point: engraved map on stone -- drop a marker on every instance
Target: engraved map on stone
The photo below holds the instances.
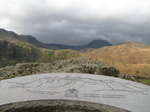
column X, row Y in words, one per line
column 99, row 89
column 57, row 82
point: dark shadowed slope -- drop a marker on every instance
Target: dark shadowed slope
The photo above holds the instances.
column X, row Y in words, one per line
column 9, row 35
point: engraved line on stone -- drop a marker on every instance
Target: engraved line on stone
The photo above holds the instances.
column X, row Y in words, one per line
column 72, row 80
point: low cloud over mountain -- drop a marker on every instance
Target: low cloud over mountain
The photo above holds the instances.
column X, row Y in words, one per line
column 76, row 22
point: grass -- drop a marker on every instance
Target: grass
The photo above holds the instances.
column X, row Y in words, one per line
column 145, row 81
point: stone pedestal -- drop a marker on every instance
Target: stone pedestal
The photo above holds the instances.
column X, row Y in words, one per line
column 68, row 92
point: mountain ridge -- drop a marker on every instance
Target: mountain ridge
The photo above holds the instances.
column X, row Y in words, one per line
column 93, row 44
column 10, row 35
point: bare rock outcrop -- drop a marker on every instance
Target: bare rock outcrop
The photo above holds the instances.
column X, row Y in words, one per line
column 74, row 65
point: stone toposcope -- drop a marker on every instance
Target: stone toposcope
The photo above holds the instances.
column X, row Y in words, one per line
column 58, row 92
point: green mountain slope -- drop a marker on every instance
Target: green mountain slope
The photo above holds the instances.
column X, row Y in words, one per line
column 12, row 52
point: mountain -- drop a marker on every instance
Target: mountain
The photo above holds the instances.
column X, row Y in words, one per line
column 9, row 35
column 94, row 44
column 12, row 52
column 131, row 58
column 12, row 36
column 32, row 40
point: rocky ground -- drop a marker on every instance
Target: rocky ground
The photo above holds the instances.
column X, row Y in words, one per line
column 74, row 65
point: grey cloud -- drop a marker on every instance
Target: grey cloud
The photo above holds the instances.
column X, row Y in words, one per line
column 75, row 24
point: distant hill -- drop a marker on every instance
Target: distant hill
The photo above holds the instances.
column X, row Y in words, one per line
column 61, row 46
column 94, row 44
column 134, row 44
column 131, row 58
column 11, row 36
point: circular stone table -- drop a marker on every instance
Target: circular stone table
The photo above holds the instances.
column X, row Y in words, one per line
column 73, row 92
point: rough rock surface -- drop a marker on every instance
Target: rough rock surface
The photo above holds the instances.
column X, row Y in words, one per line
column 74, row 65
column 59, row 106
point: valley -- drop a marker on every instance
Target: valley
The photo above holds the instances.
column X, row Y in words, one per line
column 132, row 59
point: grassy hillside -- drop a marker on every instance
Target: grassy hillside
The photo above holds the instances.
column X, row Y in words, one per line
column 55, row 55
column 12, row 52
column 130, row 57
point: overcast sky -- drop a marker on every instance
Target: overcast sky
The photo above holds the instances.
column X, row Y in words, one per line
column 77, row 22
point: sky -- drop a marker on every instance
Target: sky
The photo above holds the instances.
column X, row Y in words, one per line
column 77, row 22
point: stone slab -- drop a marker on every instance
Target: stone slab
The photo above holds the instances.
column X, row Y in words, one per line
column 96, row 89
